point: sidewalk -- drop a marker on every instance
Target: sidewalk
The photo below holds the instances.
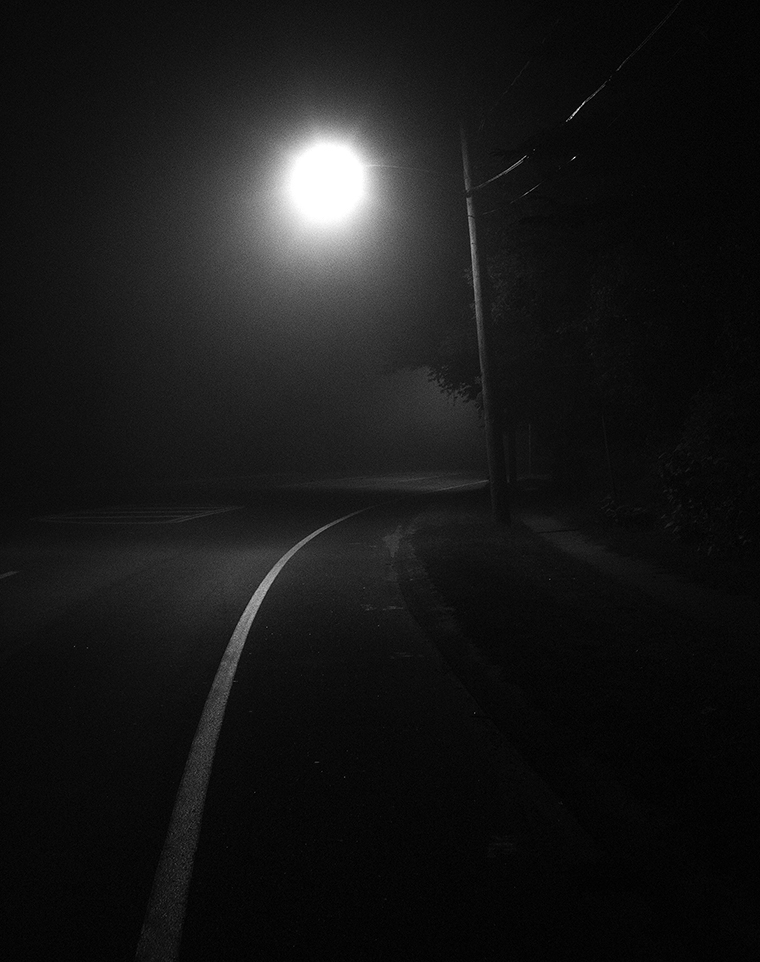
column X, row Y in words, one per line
column 630, row 690
column 734, row 612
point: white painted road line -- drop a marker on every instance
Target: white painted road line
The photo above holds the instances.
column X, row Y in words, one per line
column 8, row 574
column 165, row 915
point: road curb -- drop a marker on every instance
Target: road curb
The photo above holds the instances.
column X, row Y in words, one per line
column 690, row 893
column 554, row 830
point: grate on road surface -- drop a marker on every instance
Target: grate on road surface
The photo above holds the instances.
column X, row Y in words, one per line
column 158, row 514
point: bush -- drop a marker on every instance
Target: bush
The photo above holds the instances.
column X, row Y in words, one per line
column 711, row 480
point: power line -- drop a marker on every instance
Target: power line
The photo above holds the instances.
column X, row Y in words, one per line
column 502, row 95
column 561, row 167
column 649, row 37
column 583, row 103
column 519, row 74
column 630, row 55
column 502, row 174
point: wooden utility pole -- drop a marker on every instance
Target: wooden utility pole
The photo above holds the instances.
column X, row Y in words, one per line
column 497, row 470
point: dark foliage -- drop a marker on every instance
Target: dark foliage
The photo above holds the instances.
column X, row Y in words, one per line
column 624, row 287
column 711, row 480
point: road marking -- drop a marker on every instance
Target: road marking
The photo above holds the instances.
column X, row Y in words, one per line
column 159, row 514
column 165, row 915
column 8, row 574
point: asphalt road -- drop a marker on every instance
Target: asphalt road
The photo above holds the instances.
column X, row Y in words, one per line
column 351, row 810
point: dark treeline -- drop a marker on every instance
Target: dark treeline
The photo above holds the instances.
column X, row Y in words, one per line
column 624, row 289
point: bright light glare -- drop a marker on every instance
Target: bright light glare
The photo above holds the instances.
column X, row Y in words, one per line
column 327, row 182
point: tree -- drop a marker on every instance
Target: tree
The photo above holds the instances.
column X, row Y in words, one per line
column 619, row 285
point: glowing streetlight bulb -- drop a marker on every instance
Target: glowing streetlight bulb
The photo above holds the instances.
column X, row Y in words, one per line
column 327, row 182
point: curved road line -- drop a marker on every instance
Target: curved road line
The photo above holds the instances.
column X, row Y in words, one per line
column 165, row 915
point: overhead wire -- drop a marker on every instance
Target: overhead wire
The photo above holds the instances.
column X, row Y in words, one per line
column 559, row 169
column 577, row 110
column 630, row 55
column 520, row 72
column 504, row 93
column 651, row 34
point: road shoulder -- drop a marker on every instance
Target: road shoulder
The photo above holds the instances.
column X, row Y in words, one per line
column 638, row 716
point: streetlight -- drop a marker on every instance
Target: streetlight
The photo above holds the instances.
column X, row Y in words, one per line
column 326, row 184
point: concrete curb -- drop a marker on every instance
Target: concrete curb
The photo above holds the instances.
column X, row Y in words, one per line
column 565, row 844
column 555, row 831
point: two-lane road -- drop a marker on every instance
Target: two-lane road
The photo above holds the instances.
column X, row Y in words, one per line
column 346, row 810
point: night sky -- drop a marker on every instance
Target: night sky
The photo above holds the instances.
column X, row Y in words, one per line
column 167, row 313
